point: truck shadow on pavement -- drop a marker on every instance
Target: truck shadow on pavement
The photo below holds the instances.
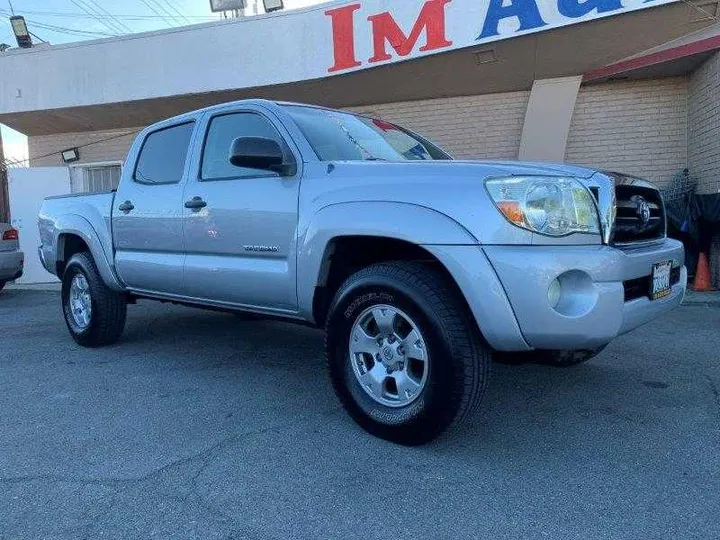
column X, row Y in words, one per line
column 525, row 405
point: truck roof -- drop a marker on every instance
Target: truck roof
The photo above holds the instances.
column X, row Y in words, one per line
column 252, row 101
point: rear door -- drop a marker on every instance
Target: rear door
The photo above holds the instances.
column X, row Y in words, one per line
column 148, row 212
column 241, row 243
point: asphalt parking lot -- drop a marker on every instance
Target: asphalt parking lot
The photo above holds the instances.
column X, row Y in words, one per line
column 200, row 425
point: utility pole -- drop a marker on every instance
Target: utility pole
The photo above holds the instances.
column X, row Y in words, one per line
column 4, row 196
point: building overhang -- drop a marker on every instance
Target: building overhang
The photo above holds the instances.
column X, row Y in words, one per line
column 677, row 57
column 84, row 87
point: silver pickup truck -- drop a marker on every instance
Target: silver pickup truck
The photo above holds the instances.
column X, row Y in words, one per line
column 418, row 266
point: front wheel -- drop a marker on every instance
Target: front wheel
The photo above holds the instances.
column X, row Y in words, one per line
column 94, row 313
column 404, row 355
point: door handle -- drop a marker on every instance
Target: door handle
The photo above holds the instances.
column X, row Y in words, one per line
column 196, row 203
column 126, row 207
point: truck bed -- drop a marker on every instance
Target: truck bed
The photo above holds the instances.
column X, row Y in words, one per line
column 57, row 212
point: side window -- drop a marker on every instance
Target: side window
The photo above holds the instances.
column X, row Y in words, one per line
column 222, row 132
column 163, row 154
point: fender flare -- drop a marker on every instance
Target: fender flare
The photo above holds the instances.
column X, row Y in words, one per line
column 75, row 225
column 412, row 223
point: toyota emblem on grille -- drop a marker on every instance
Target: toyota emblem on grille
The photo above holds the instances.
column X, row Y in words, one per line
column 642, row 207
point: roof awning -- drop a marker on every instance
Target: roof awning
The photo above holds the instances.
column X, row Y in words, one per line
column 676, row 57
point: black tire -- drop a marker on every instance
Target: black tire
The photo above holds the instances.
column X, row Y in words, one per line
column 459, row 359
column 109, row 309
column 560, row 359
column 2, row 285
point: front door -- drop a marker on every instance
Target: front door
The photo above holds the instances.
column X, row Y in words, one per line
column 148, row 213
column 241, row 227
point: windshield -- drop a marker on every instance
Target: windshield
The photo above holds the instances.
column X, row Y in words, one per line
column 339, row 136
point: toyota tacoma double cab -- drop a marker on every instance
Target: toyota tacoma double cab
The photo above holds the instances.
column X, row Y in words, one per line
column 419, row 267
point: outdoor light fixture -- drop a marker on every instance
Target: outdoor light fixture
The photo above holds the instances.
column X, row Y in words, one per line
column 226, row 5
column 273, row 5
column 70, row 155
column 21, row 32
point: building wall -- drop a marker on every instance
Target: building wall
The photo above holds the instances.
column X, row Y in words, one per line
column 95, row 147
column 704, row 125
column 635, row 127
column 480, row 127
column 704, row 139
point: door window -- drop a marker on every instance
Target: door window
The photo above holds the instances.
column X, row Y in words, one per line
column 163, row 154
column 222, row 132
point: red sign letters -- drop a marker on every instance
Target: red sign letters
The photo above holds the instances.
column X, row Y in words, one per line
column 385, row 30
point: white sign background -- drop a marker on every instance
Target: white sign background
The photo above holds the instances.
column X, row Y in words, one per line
column 283, row 47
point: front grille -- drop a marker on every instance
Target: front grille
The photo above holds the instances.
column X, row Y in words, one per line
column 640, row 287
column 640, row 214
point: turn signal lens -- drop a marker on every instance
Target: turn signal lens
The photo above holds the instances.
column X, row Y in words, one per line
column 10, row 234
column 512, row 211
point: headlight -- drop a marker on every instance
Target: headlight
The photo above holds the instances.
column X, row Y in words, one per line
column 554, row 206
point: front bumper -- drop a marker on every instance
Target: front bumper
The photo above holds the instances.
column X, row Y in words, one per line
column 11, row 265
column 595, row 309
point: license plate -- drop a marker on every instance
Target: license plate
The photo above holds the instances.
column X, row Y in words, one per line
column 661, row 287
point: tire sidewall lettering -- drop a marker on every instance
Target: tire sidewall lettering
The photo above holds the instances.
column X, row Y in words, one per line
column 350, row 308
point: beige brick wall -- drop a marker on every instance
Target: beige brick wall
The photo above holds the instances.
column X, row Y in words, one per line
column 101, row 146
column 636, row 127
column 704, row 125
column 481, row 127
column 704, row 139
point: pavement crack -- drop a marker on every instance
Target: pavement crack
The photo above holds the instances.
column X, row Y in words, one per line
column 204, row 456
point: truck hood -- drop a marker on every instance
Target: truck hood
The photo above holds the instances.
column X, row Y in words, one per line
column 474, row 168
column 453, row 188
column 518, row 168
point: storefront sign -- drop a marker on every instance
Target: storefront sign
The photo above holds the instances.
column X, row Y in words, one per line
column 381, row 31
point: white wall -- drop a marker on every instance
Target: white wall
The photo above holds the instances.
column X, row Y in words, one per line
column 28, row 188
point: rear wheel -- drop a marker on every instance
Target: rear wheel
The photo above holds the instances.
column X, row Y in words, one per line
column 94, row 313
column 404, row 355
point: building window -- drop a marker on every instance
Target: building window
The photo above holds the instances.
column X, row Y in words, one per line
column 95, row 178
column 102, row 178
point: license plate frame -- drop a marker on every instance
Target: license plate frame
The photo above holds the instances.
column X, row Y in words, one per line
column 660, row 285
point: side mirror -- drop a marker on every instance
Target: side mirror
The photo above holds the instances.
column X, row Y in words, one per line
column 259, row 153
